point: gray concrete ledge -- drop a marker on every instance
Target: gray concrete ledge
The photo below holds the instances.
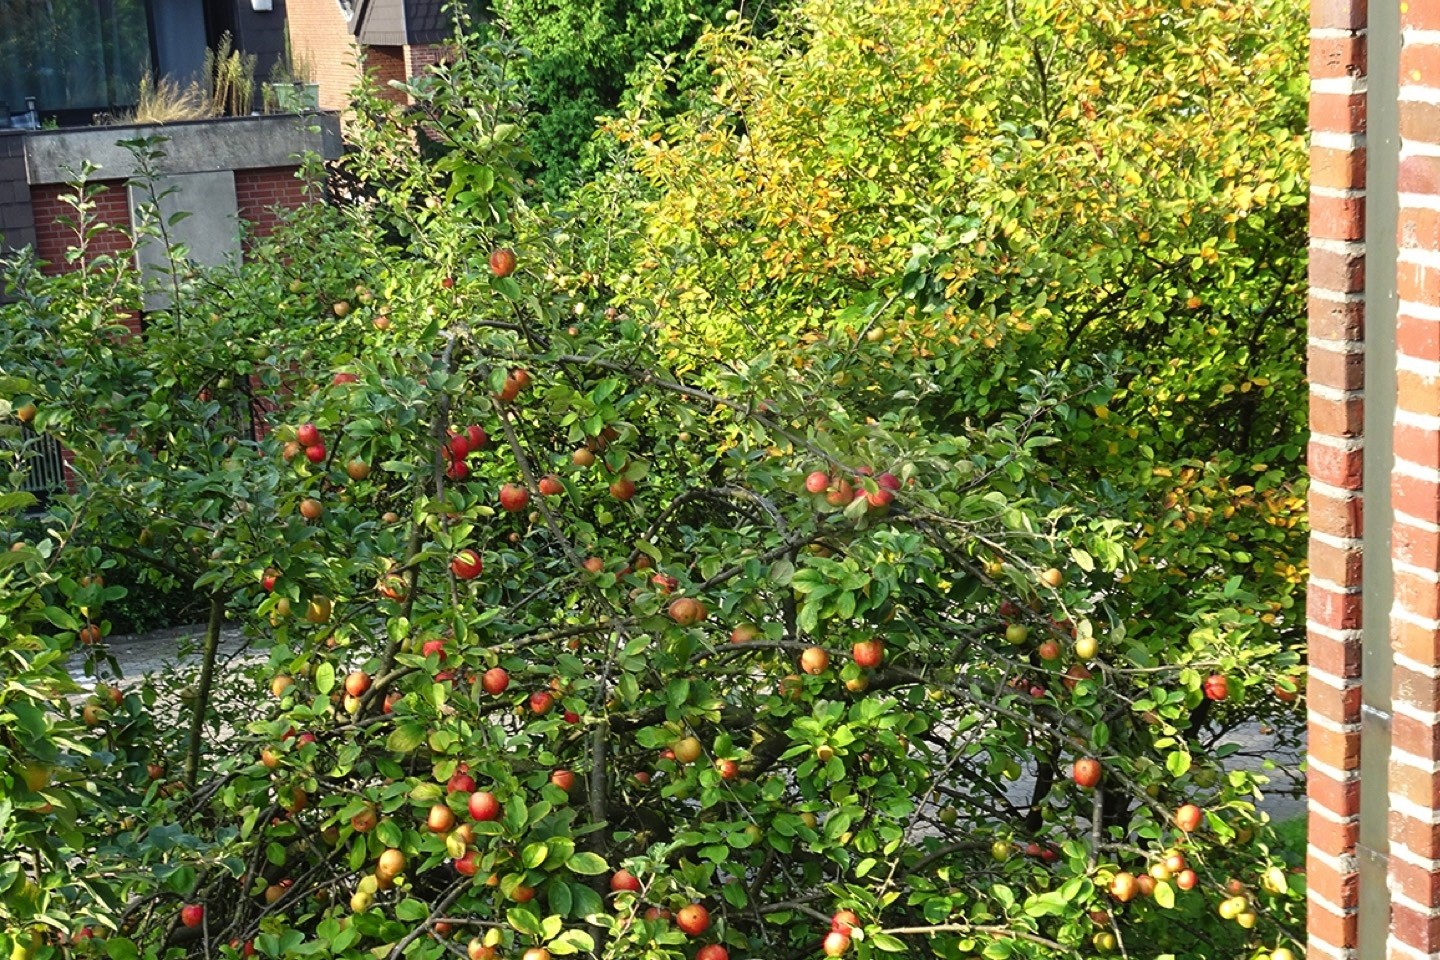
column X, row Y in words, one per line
column 201, row 146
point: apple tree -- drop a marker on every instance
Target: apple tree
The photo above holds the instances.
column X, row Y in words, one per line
column 565, row 648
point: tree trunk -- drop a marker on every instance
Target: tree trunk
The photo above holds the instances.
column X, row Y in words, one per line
column 202, row 696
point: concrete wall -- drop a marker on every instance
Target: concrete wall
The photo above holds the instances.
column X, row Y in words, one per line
column 243, row 143
column 227, row 171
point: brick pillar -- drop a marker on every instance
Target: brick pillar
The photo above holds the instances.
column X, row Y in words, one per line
column 1415, row 491
column 1336, row 454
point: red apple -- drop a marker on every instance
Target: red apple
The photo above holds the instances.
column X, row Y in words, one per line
column 888, row 481
column 365, row 821
column 267, row 582
column 342, row 378
column 836, row 943
column 868, row 653
column 483, row 805
column 1087, row 772
column 571, row 716
column 624, row 880
column 495, row 680
column 514, row 498
column 541, row 701
column 466, row 565
column 1186, row 879
column 551, row 486
column 1216, row 686
column 693, row 919
column 357, row 683
column 460, row 782
column 458, row 446
column 817, row 482
column 814, row 660
column 728, row 769
column 466, row 865
column 307, row 435
column 192, row 914
column 1074, row 674
column 502, row 262
column 440, row 819
column 844, row 921
column 1124, row 887
column 687, row 611
column 564, row 779
column 477, row 436
column 315, row 453
column 1188, row 818
column 622, row 489
column 712, row 951
column 744, row 633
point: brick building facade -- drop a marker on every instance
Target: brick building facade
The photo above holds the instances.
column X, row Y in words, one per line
column 389, row 39
column 1374, row 368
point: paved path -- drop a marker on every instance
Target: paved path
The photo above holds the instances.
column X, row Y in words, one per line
column 1261, row 750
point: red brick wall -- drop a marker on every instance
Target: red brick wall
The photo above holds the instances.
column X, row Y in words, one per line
column 386, row 64
column 259, row 191
column 53, row 237
column 420, row 57
column 1415, row 489
column 1336, row 370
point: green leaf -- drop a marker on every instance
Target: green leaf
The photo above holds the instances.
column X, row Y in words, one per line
column 1164, row 894
column 572, row 941
column 560, row 849
column 587, row 864
column 325, row 679
column 411, row 910
column 534, row 854
column 558, row 893
column 1177, row 763
column 405, row 738
column 525, row 920
column 181, row 880
column 885, row 942
column 121, row 948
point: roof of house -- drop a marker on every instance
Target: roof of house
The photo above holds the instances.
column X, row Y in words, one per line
column 394, row 23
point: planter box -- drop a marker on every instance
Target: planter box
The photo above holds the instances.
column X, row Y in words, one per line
column 294, row 97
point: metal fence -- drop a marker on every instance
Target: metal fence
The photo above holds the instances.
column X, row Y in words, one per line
column 43, row 467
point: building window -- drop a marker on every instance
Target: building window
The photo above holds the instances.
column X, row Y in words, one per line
column 71, row 55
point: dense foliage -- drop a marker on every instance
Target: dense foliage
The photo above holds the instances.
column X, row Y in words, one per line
column 587, row 57
column 992, row 189
column 599, row 564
